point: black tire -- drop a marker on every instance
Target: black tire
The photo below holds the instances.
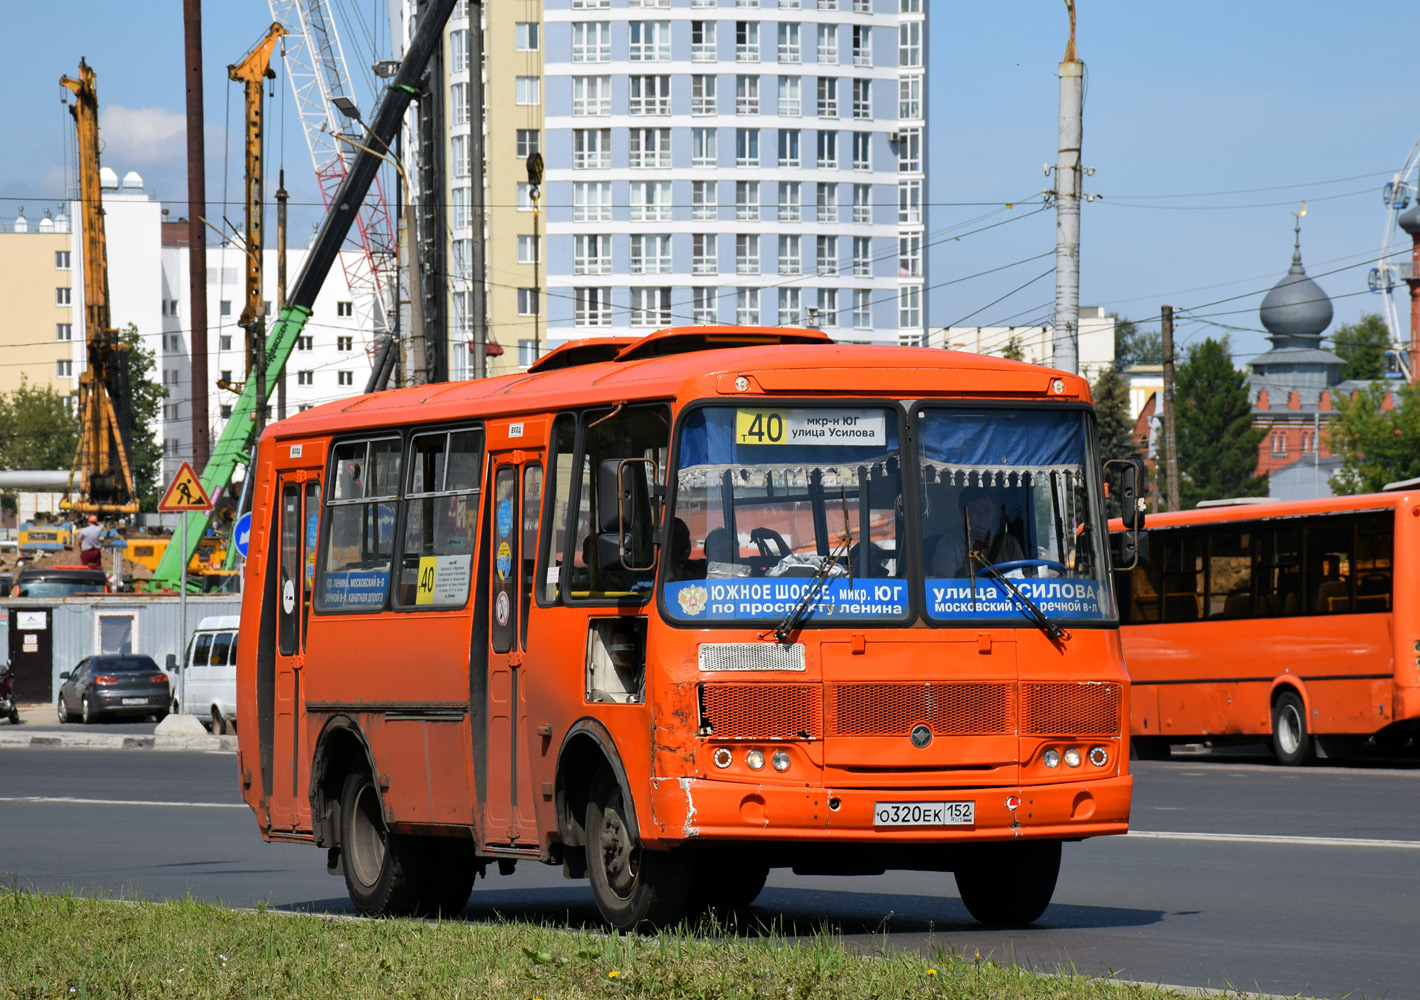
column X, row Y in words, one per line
column 219, row 722
column 1010, row 884
column 14, row 716
column 725, row 887
column 64, row 716
column 86, row 716
column 1149, row 748
column 1292, row 741
column 385, row 873
column 633, row 887
column 453, row 868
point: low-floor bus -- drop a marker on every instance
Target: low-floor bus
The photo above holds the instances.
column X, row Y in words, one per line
column 674, row 616
column 1291, row 621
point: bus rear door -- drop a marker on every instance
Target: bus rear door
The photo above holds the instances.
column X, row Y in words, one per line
column 516, row 451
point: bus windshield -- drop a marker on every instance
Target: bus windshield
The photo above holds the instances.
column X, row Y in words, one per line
column 792, row 511
column 1010, row 492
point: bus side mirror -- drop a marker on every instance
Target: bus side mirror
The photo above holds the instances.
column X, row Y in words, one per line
column 1131, row 504
column 624, row 515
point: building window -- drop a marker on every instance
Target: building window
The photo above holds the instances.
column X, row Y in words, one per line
column 828, row 97
column 224, row 307
column 306, row 378
column 227, row 375
column 862, row 203
column 591, row 41
column 649, row 147
column 524, row 198
column 702, row 41
column 827, row 149
column 170, row 446
column 828, row 44
column 827, row 255
column 65, row 368
column 704, row 253
column 171, row 342
column 529, row 142
column 702, row 309
column 746, row 95
column 591, row 306
column 909, row 202
column 527, row 352
column 862, row 309
column 649, row 41
column 827, row 313
column 790, row 254
column 63, row 297
column 527, row 90
column 460, row 208
column 525, row 36
column 862, row 99
column 650, row 95
column 458, row 102
column 528, row 250
column 304, row 343
column 827, row 203
column 909, row 307
column 170, row 376
column 224, row 341
column 747, row 306
column 862, row 257
column 747, row 253
column 702, row 94
column 702, row 148
column 61, row 260
column 64, row 331
column 344, row 343
column 458, row 51
column 650, row 201
column 747, row 41
column 862, row 151
column 346, row 309
column 909, row 255
column 591, row 148
column 345, row 378
column 790, row 307
column 591, row 201
column 909, row 97
column 747, row 201
column 650, row 306
column 790, row 201
column 591, row 254
column 590, row 4
column 789, row 100
column 789, row 147
column 527, row 302
column 746, row 147
column 1279, row 444
column 862, row 45
column 703, row 200
column 789, row 42
column 591, row 96
column 171, row 411
column 650, row 254
column 827, row 4
column 909, row 150
column 909, row 44
column 458, row 152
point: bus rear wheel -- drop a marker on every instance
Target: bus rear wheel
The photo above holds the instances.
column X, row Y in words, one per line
column 1008, row 884
column 633, row 887
column 1291, row 742
column 385, row 873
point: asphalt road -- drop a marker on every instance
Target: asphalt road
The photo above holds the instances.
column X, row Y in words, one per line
column 1238, row 875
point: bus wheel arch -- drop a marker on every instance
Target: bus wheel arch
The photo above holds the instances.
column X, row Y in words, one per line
column 1293, row 742
column 587, row 749
column 341, row 749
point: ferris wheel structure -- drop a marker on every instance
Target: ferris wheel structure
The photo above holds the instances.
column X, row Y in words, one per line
column 1395, row 264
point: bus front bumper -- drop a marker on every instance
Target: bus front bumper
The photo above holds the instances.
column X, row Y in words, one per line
column 688, row 809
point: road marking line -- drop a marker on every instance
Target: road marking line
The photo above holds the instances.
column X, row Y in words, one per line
column 1253, row 838
column 67, row 800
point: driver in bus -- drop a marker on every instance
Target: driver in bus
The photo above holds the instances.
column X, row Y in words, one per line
column 989, row 537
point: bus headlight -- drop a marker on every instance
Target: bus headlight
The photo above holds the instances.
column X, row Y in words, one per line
column 1072, row 757
column 1051, row 758
column 723, row 757
column 780, row 760
column 1099, row 756
column 755, row 759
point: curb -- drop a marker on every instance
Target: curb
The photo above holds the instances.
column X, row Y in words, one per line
column 117, row 741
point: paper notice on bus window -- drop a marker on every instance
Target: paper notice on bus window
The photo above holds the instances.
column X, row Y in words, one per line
column 443, row 579
column 829, row 426
column 354, row 588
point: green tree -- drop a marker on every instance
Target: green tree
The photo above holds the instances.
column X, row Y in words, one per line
column 1115, row 422
column 1376, row 446
column 1363, row 345
column 1217, row 444
column 1133, row 346
column 1014, row 350
column 146, row 397
column 37, row 430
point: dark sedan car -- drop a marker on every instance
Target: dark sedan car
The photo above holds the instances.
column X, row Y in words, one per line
column 118, row 684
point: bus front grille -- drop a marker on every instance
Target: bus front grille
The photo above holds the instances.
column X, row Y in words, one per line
column 761, row 711
column 1070, row 709
column 893, row 709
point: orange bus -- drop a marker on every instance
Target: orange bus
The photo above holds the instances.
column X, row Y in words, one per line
column 668, row 618
column 1287, row 621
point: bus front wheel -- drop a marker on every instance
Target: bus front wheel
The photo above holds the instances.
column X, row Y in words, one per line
column 384, row 872
column 1008, row 884
column 633, row 887
column 1291, row 741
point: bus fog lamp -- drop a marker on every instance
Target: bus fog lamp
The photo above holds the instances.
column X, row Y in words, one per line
column 1099, row 756
column 1057, row 386
column 780, row 760
column 755, row 759
column 1051, row 758
column 723, row 757
column 1072, row 757
column 742, row 384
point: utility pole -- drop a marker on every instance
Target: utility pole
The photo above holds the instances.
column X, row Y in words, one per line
column 1171, row 500
column 197, row 232
column 281, row 197
column 1067, row 207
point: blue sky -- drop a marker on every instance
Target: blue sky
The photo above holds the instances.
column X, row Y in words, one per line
column 1207, row 124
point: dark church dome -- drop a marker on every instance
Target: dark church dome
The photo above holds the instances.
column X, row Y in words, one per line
column 1296, row 306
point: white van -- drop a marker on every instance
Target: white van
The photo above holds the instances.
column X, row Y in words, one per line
column 208, row 688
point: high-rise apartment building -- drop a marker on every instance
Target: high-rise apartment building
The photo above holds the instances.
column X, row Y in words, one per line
column 707, row 161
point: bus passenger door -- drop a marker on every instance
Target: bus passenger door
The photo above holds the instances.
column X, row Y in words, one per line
column 298, row 498
column 509, row 808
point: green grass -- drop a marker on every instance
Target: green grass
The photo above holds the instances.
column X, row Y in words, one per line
column 68, row 946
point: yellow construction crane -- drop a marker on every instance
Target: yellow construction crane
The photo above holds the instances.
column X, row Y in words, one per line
column 105, row 478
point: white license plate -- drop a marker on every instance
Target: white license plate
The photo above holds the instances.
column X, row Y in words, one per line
column 924, row 813
column 135, row 701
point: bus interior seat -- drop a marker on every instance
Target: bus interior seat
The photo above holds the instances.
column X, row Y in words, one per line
column 1332, row 596
column 1181, row 607
column 1373, row 592
column 1238, row 605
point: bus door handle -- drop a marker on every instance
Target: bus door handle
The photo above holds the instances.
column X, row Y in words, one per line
column 515, row 660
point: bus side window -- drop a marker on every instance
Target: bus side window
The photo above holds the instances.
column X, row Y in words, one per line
column 1183, row 575
column 360, row 525
column 1329, row 542
column 557, row 490
column 1375, row 543
column 440, row 519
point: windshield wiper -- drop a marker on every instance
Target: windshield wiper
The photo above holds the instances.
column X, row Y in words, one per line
column 1052, row 631
column 797, row 613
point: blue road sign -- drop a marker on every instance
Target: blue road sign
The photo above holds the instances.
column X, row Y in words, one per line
column 241, row 531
